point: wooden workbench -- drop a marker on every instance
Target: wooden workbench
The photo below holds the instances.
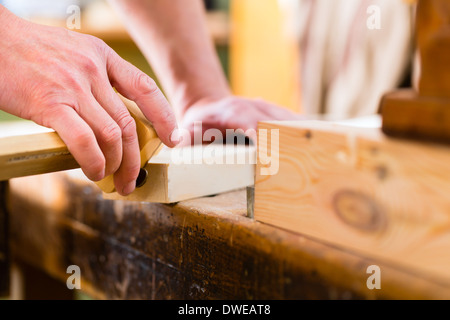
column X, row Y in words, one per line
column 198, row 249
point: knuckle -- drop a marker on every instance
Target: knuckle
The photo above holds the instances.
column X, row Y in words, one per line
column 100, row 45
column 143, row 84
column 72, row 82
column 127, row 126
column 83, row 139
column 90, row 66
column 165, row 116
column 93, row 41
column 83, row 142
column 111, row 133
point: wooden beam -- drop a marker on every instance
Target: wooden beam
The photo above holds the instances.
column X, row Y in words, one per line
column 357, row 189
column 33, row 154
column 4, row 242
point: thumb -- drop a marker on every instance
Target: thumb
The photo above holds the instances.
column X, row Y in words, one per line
column 140, row 88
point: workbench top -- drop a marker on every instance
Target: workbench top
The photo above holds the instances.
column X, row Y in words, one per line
column 198, row 249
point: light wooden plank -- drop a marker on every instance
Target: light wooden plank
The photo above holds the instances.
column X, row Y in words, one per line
column 192, row 172
column 360, row 190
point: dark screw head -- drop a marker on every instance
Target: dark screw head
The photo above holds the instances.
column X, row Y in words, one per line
column 142, row 178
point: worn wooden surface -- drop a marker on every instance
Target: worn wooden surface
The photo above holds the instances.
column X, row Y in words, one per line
column 4, row 242
column 197, row 249
column 358, row 189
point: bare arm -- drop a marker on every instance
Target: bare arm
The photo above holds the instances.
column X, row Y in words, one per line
column 174, row 38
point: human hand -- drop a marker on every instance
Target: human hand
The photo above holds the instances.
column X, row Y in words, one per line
column 65, row 81
column 234, row 113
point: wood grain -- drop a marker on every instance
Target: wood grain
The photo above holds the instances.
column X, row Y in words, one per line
column 33, row 154
column 357, row 189
column 198, row 249
column 203, row 172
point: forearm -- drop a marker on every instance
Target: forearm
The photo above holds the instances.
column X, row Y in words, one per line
column 173, row 36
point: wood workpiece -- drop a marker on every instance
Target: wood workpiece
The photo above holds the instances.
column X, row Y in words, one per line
column 357, row 189
column 191, row 172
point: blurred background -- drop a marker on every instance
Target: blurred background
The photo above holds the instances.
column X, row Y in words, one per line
column 255, row 40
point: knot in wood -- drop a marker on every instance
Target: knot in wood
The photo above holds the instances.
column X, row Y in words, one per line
column 358, row 210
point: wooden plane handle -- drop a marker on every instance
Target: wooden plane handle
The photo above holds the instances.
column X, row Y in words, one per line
column 35, row 154
column 149, row 142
